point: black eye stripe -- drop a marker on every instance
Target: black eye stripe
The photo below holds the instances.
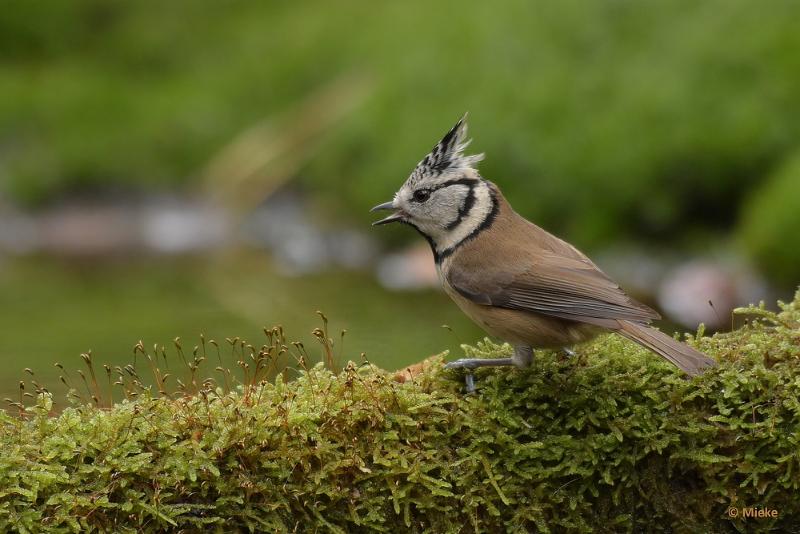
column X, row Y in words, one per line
column 421, row 195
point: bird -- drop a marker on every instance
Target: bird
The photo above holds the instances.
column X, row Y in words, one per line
column 514, row 279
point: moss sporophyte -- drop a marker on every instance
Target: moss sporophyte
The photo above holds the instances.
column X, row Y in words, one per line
column 612, row 439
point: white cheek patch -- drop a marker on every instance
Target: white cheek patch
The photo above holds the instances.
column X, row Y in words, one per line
column 450, row 202
column 471, row 221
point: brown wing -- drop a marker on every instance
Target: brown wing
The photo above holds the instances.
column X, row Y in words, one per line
column 568, row 287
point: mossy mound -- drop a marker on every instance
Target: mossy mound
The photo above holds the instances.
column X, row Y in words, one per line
column 612, row 439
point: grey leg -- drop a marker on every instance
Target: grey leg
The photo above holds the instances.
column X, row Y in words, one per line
column 473, row 363
column 523, row 356
column 568, row 352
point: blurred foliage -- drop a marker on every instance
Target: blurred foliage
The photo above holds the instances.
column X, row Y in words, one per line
column 107, row 308
column 611, row 440
column 771, row 224
column 600, row 120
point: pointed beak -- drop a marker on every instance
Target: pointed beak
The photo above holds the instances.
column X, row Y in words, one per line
column 396, row 216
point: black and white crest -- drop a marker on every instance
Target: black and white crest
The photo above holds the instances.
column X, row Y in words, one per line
column 447, row 155
column 445, row 198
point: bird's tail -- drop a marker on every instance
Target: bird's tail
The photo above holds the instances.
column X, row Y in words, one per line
column 680, row 354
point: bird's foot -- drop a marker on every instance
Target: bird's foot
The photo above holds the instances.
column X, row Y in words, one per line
column 569, row 352
column 474, row 363
column 469, row 380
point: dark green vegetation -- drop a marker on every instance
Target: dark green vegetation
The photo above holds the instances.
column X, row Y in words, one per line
column 602, row 120
column 611, row 440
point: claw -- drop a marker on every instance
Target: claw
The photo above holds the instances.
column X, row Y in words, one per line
column 470, row 380
column 472, row 363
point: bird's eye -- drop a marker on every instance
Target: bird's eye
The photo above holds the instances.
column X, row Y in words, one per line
column 421, row 195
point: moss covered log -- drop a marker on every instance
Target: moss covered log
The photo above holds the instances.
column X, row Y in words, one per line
column 612, row 439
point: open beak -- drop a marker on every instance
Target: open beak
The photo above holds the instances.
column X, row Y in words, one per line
column 396, row 216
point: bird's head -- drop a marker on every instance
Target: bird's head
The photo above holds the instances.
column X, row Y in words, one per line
column 444, row 198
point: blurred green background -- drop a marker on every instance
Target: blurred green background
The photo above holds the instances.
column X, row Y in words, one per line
column 661, row 125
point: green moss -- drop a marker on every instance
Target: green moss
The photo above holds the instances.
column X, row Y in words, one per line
column 612, row 439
